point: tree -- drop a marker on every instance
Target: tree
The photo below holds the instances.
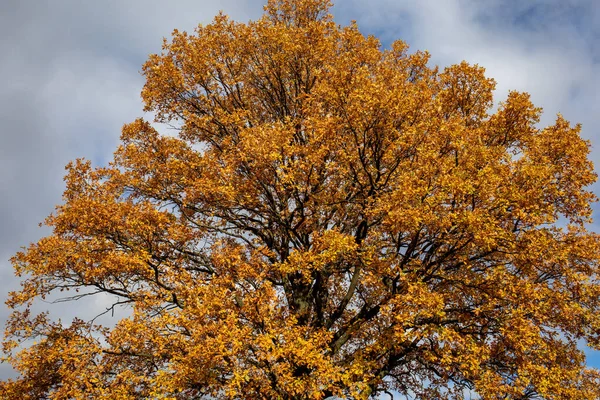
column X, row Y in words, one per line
column 333, row 219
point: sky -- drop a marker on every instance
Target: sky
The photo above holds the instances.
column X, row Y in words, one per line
column 69, row 80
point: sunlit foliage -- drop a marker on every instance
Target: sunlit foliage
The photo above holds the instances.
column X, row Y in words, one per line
column 332, row 219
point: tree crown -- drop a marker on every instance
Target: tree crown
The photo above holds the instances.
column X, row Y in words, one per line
column 333, row 218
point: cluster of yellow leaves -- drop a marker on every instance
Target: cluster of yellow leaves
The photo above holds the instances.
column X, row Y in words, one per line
column 333, row 219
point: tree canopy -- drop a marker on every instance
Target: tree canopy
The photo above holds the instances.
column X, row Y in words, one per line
column 332, row 219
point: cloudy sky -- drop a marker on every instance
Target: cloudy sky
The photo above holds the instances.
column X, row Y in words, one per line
column 69, row 78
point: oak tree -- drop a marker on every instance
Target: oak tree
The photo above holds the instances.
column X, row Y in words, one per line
column 332, row 219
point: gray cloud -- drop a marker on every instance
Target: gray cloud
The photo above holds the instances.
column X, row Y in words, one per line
column 69, row 81
column 69, row 76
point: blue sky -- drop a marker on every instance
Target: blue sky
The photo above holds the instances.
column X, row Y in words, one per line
column 69, row 77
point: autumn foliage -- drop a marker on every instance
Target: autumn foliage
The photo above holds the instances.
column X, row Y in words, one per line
column 332, row 219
